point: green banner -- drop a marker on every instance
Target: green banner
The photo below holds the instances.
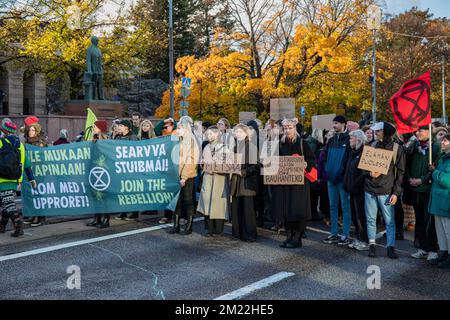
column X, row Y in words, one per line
column 108, row 176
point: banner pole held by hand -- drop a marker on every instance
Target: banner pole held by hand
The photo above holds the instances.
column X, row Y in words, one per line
column 430, row 148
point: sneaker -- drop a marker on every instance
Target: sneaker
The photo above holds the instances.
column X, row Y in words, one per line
column 362, row 246
column 354, row 244
column 331, row 240
column 420, row 254
column 391, row 253
column 432, row 256
column 163, row 220
column 372, row 251
column 344, row 241
column 28, row 221
column 442, row 255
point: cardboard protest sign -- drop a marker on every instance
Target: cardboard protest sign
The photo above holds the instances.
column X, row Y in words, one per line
column 323, row 121
column 281, row 108
column 375, row 160
column 284, row 171
column 232, row 168
column 103, row 177
column 245, row 117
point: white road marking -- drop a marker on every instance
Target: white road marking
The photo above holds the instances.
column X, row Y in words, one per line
column 237, row 294
column 83, row 242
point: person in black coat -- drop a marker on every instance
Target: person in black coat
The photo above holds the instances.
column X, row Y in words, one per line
column 291, row 204
column 243, row 188
column 354, row 185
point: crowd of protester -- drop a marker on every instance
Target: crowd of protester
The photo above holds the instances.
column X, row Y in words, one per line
column 342, row 196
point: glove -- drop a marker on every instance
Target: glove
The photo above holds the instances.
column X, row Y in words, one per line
column 33, row 184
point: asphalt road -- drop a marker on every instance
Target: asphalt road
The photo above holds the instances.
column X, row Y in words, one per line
column 157, row 265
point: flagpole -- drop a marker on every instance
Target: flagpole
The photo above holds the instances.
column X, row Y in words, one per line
column 430, row 148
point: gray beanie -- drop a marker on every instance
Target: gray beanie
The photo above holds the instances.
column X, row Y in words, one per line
column 360, row 138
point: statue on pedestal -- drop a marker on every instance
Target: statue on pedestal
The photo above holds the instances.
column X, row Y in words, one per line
column 93, row 77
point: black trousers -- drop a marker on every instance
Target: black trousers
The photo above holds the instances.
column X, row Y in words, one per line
column 314, row 196
column 185, row 200
column 425, row 229
column 215, row 226
column 244, row 218
column 399, row 216
column 324, row 204
column 359, row 216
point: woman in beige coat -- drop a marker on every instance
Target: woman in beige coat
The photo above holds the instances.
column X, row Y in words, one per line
column 214, row 200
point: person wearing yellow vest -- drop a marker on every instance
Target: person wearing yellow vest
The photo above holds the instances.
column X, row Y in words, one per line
column 9, row 187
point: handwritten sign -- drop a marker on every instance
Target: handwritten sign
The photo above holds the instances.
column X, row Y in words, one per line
column 282, row 108
column 323, row 121
column 245, row 116
column 222, row 168
column 284, row 171
column 375, row 160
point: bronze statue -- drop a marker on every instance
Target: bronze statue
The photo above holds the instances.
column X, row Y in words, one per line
column 93, row 77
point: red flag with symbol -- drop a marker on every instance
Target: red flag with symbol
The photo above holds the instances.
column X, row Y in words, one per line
column 411, row 105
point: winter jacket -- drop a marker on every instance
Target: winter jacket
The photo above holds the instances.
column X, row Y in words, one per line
column 387, row 184
column 6, row 184
column 60, row 141
column 337, row 151
column 354, row 177
column 417, row 167
column 440, row 189
column 130, row 136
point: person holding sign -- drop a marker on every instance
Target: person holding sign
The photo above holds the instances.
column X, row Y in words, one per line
column 243, row 188
column 382, row 191
column 188, row 161
column 100, row 130
column 291, row 204
column 214, row 200
column 418, row 181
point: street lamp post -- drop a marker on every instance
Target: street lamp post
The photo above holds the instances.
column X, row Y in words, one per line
column 172, row 93
column 444, row 60
column 201, row 96
column 373, row 24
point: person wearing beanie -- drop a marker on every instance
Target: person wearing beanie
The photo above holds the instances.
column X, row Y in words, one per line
column 33, row 135
column 63, row 136
column 4, row 120
column 337, row 151
column 354, row 185
column 352, row 126
column 418, row 182
column 9, row 184
column 125, row 126
column 383, row 191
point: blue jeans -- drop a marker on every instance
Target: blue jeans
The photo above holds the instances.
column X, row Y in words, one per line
column 336, row 191
column 371, row 204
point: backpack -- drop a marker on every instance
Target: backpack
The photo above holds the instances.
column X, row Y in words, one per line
column 10, row 161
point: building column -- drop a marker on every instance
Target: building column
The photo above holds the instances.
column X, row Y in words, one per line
column 14, row 94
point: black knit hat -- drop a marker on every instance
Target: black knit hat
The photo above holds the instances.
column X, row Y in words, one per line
column 388, row 129
column 126, row 123
column 340, row 119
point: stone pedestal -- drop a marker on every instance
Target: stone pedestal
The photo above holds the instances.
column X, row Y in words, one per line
column 101, row 108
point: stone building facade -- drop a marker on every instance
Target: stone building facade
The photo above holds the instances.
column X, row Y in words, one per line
column 21, row 92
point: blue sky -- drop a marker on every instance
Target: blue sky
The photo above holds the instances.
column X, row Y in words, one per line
column 440, row 8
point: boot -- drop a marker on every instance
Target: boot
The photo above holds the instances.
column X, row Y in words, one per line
column 2, row 228
column 442, row 256
column 176, row 225
column 104, row 223
column 188, row 229
column 289, row 237
column 18, row 228
column 296, row 241
column 391, row 253
column 96, row 221
column 444, row 264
